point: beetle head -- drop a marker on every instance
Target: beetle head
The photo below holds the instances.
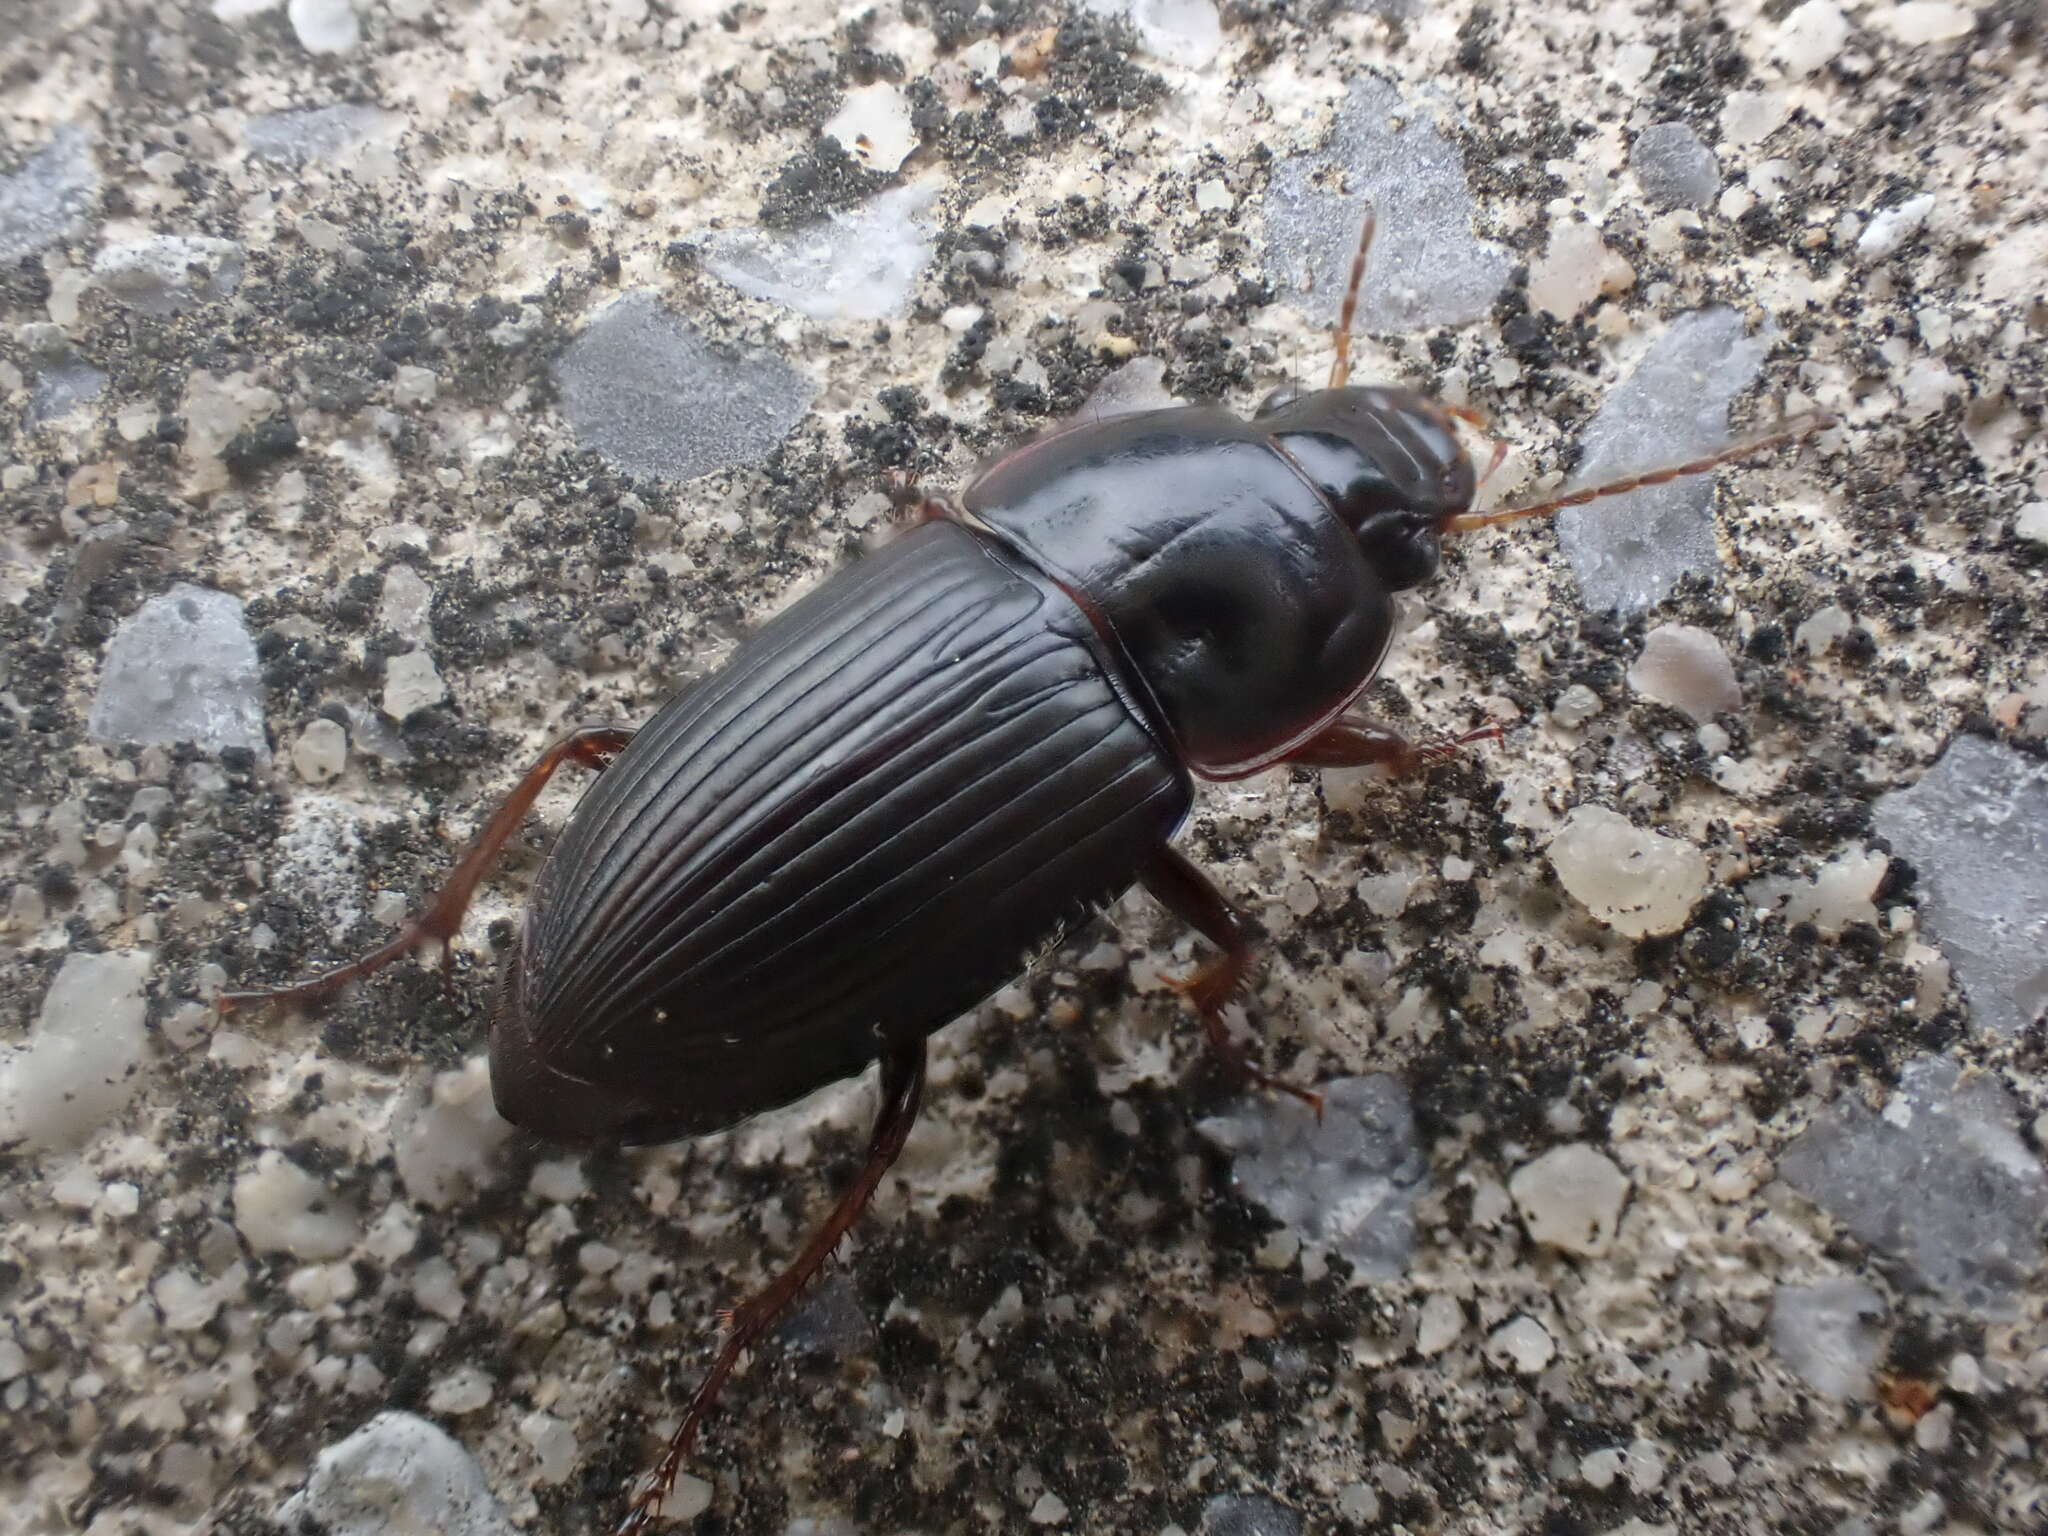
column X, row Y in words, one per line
column 1392, row 466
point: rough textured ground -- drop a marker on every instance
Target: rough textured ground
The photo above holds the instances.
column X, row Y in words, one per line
column 1707, row 1202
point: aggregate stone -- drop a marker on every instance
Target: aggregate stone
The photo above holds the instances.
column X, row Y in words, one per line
column 1940, row 1180
column 1975, row 825
column 1347, row 1182
column 397, row 1473
column 1674, row 169
column 1630, row 550
column 1428, row 266
column 46, row 200
column 655, row 397
column 182, row 669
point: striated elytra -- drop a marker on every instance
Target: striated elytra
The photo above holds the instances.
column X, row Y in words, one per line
column 915, row 776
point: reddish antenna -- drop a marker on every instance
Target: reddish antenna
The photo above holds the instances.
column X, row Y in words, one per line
column 1788, row 431
column 1340, row 366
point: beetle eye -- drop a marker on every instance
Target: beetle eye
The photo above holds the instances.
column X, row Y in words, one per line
column 1402, row 546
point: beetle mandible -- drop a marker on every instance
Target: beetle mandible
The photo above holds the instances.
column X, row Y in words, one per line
column 847, row 837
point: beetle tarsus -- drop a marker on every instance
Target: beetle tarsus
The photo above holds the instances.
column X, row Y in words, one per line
column 902, row 1089
column 1177, row 885
column 594, row 746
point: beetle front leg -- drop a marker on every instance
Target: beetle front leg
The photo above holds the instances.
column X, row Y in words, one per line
column 1177, row 885
column 1353, row 741
column 593, row 746
column 902, row 1089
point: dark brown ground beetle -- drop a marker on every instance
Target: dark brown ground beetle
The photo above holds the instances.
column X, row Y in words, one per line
column 910, row 779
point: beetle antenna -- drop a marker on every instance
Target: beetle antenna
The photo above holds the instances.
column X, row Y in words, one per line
column 1347, row 313
column 1788, row 431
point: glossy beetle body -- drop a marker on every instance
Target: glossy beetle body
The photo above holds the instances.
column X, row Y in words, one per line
column 914, row 776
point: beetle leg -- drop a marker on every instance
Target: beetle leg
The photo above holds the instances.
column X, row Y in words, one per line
column 1177, row 885
column 902, row 1088
column 909, row 506
column 594, row 746
column 1352, row 741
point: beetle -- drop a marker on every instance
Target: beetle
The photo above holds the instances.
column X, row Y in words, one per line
column 899, row 786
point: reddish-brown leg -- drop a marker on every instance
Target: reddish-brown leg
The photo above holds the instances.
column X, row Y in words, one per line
column 1352, row 741
column 909, row 506
column 1177, row 885
column 593, row 746
column 902, row 1088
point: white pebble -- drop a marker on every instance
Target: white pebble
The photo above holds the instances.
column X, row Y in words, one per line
column 1812, row 36
column 411, row 683
column 690, row 1497
column 76, row 1188
column 413, row 385
column 463, row 1390
column 560, row 1180
column 1574, row 707
column 1359, row 1502
column 1571, row 1198
column 1578, row 267
column 1749, row 117
column 1521, row 1344
column 1386, row 895
column 447, row 1146
column 1925, row 1516
column 405, row 602
column 189, row 1303
column 554, row 1445
column 873, row 126
column 83, row 1057
column 437, row 1289
column 2031, row 522
column 1891, row 228
column 397, row 1473
column 325, row 26
column 281, row 1208
column 1843, row 891
column 1685, row 667
column 1442, row 1320
column 1638, row 882
column 1821, row 631
column 321, row 752
column 1928, row 21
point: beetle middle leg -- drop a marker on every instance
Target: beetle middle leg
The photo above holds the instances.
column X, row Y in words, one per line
column 1177, row 885
column 1353, row 741
column 593, row 746
column 902, row 1089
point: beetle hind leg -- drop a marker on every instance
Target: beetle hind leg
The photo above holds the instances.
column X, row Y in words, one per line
column 902, row 1089
column 593, row 746
column 1177, row 885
